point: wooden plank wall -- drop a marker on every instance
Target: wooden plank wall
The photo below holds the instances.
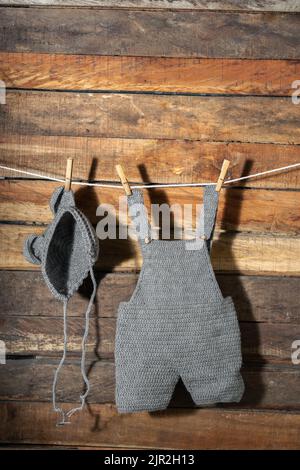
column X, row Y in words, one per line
column 167, row 88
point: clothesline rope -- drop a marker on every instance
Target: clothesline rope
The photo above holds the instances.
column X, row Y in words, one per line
column 146, row 186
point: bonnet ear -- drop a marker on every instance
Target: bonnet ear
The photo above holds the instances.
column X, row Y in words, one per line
column 61, row 198
column 34, row 245
column 33, row 249
column 66, row 252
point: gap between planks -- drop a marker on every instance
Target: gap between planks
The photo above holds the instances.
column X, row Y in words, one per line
column 257, row 298
column 289, row 6
column 140, row 116
column 242, row 253
column 27, row 202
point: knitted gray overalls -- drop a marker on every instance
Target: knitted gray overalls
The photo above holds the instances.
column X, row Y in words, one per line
column 177, row 323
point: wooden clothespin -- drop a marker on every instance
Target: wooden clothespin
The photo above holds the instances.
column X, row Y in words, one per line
column 124, row 180
column 222, row 175
column 69, row 171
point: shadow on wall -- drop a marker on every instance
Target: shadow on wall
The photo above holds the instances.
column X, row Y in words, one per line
column 181, row 397
column 253, row 394
column 254, row 390
column 89, row 193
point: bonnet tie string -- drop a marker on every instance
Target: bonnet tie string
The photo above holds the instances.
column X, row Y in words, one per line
column 65, row 416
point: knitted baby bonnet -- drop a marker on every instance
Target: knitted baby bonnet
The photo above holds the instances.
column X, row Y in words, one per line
column 66, row 252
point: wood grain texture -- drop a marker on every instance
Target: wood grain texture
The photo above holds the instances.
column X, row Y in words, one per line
column 149, row 160
column 276, row 211
column 148, row 33
column 261, row 342
column 205, row 118
column 221, row 429
column 77, row 72
column 124, row 82
column 267, row 387
column 242, row 253
column 231, row 5
column 43, row 336
column 257, row 298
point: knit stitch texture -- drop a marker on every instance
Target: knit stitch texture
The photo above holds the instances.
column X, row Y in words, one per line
column 177, row 324
column 67, row 250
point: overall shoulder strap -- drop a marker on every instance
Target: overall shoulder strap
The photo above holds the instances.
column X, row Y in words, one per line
column 139, row 216
column 210, row 206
